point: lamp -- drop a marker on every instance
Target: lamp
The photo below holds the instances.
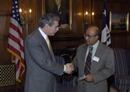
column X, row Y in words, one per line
column 92, row 17
column 87, row 23
column 22, row 17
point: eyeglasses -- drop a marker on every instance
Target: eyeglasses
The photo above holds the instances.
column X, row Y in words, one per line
column 89, row 36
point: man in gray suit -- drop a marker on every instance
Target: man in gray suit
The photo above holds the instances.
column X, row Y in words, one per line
column 41, row 67
column 101, row 63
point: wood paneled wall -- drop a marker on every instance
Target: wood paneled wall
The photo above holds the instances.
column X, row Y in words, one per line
column 63, row 39
column 118, row 39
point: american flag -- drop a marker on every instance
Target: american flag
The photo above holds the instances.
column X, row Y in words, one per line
column 105, row 38
column 15, row 41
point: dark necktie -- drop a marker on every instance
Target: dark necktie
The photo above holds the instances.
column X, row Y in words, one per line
column 87, row 67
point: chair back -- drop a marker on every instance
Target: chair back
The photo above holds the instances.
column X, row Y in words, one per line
column 65, row 79
column 67, row 58
column 121, row 67
column 60, row 60
column 128, row 61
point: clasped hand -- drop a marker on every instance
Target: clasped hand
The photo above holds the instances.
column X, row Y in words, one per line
column 89, row 78
column 69, row 68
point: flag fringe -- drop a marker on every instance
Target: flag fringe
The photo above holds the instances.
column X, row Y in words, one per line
column 10, row 51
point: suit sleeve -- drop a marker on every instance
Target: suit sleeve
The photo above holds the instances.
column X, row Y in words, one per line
column 39, row 55
column 108, row 70
column 75, row 60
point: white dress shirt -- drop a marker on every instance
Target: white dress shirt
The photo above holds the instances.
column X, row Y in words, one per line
column 93, row 51
column 42, row 33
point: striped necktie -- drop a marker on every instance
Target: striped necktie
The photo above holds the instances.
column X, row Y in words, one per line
column 87, row 67
column 48, row 43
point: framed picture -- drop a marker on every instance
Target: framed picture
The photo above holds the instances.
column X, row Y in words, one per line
column 119, row 22
column 64, row 12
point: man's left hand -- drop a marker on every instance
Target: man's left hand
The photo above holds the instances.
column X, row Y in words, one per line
column 89, row 78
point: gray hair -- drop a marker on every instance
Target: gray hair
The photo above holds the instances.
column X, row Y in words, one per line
column 48, row 18
column 98, row 33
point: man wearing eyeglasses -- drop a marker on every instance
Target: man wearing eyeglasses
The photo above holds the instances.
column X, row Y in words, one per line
column 95, row 63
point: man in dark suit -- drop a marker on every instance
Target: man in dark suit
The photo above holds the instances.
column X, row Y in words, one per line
column 41, row 67
column 60, row 10
column 93, row 77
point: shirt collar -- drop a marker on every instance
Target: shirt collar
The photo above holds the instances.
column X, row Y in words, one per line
column 96, row 44
column 42, row 33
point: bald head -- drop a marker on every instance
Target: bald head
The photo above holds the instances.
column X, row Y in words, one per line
column 92, row 35
column 95, row 30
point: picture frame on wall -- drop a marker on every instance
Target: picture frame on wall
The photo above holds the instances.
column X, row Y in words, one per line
column 65, row 12
column 118, row 22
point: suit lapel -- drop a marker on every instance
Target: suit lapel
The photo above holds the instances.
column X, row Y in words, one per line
column 84, row 53
column 83, row 56
column 60, row 10
column 43, row 41
column 98, row 54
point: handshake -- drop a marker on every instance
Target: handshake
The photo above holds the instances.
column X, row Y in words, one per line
column 69, row 68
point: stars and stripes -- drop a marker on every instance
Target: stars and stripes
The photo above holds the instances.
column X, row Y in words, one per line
column 15, row 41
column 105, row 37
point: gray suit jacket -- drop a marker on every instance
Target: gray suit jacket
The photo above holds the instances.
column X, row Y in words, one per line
column 40, row 65
column 100, row 70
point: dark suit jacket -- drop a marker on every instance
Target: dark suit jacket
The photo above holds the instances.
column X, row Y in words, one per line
column 100, row 70
column 61, row 13
column 40, row 65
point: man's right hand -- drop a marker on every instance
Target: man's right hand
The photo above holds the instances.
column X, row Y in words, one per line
column 69, row 68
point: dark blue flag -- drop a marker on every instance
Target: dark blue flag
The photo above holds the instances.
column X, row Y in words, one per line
column 105, row 37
